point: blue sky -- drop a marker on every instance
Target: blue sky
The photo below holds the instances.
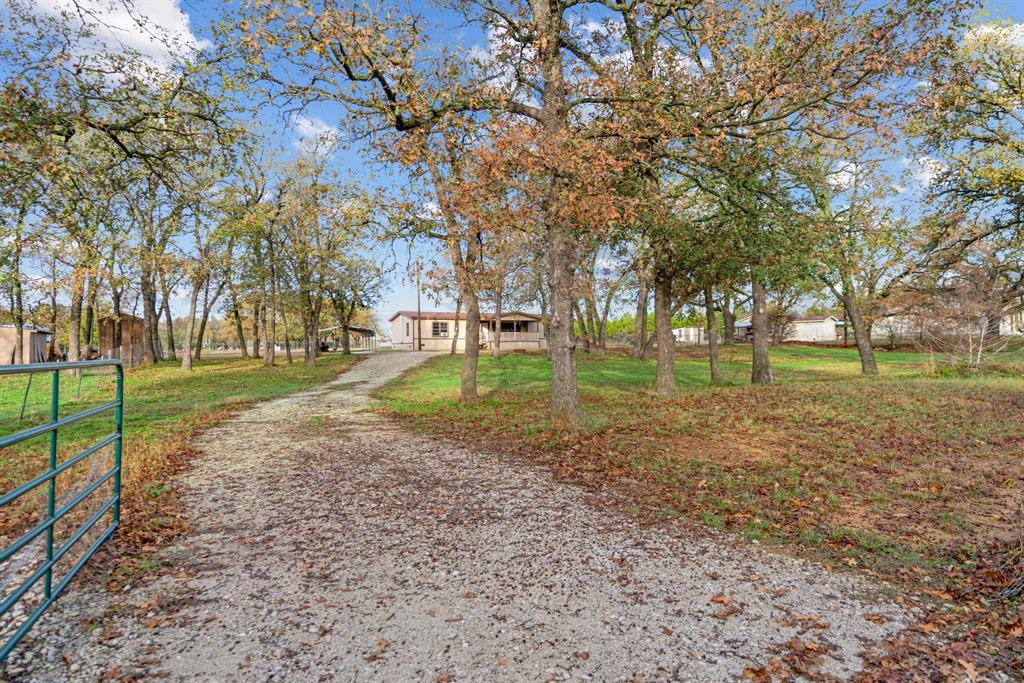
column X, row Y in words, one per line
column 286, row 131
column 192, row 20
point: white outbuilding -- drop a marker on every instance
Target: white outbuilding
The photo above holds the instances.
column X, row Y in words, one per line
column 803, row 328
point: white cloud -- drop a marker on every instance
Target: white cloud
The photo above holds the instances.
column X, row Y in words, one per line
column 429, row 211
column 841, row 178
column 494, row 61
column 156, row 29
column 999, row 34
column 925, row 169
column 312, row 132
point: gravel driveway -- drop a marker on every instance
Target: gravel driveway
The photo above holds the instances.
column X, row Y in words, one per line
column 331, row 544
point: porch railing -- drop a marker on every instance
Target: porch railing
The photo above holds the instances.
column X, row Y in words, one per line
column 515, row 336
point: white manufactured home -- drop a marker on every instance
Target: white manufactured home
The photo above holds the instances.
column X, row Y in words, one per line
column 435, row 330
column 803, row 328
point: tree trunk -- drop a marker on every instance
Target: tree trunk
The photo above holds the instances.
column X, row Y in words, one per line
column 861, row 334
column 566, row 411
column 54, row 350
column 496, row 349
column 269, row 330
column 455, row 337
column 90, row 311
column 580, row 321
column 198, row 354
column 665, row 384
column 312, row 331
column 346, row 338
column 307, row 342
column 190, row 326
column 728, row 319
column 592, row 334
column 147, row 286
column 544, row 315
column 602, row 324
column 75, row 318
column 648, row 345
column 779, row 324
column 640, row 338
column 287, row 339
column 711, row 327
column 345, row 312
column 270, row 326
column 200, row 335
column 115, row 300
column 239, row 331
column 256, row 329
column 310, row 326
column 762, row 370
column 154, row 319
column 467, row 385
column 172, row 355
column 19, row 305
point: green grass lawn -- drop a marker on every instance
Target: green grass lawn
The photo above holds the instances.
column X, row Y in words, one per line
column 164, row 407
column 906, row 471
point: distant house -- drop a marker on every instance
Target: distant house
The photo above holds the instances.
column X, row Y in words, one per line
column 434, row 330
column 904, row 327
column 804, row 328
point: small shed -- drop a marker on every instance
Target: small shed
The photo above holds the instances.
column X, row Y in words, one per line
column 130, row 348
column 814, row 328
column 360, row 338
column 690, row 335
column 35, row 341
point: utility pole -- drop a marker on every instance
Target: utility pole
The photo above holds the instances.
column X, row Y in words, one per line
column 418, row 331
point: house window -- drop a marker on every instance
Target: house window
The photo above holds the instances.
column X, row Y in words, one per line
column 439, row 329
column 508, row 326
column 406, row 329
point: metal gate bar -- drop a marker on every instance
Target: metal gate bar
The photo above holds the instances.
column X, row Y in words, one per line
column 49, row 478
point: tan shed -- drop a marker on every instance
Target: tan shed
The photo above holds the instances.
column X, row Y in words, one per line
column 34, row 342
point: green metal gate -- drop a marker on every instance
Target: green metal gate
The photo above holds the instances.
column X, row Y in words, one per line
column 52, row 589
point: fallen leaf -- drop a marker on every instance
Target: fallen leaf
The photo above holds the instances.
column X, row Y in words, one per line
column 758, row 674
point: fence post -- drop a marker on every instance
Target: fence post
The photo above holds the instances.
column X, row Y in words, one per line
column 51, row 493
column 118, row 421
